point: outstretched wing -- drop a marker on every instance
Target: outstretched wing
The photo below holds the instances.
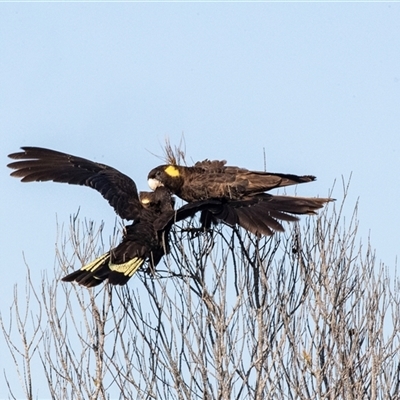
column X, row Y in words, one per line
column 260, row 214
column 38, row 164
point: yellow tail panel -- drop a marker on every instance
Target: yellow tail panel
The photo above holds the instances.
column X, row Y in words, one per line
column 98, row 262
column 129, row 268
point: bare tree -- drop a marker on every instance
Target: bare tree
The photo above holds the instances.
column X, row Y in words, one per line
column 301, row 315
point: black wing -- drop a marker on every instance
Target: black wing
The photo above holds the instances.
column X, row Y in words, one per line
column 39, row 164
column 259, row 214
column 165, row 221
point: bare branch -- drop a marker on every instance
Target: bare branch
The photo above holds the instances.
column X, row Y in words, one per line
column 307, row 314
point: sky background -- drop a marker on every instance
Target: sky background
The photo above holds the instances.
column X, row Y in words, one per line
column 317, row 85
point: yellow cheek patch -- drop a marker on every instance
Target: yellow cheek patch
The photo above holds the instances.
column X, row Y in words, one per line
column 172, row 171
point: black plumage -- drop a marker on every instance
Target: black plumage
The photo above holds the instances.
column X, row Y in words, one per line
column 238, row 194
column 141, row 242
column 38, row 165
column 232, row 195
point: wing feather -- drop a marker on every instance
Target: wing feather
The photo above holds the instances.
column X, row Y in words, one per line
column 38, row 164
column 259, row 213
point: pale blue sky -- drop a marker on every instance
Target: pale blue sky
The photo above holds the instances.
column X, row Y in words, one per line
column 315, row 84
